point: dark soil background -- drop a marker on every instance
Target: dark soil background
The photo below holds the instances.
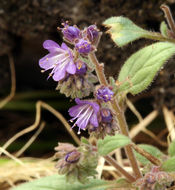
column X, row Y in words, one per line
column 24, row 25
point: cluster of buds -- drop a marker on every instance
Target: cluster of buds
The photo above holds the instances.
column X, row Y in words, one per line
column 154, row 180
column 73, row 161
column 67, row 66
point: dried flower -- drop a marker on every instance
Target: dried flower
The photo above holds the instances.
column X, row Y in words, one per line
column 104, row 94
column 59, row 59
column 85, row 112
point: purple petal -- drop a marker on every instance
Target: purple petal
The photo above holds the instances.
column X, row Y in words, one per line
column 64, row 46
column 51, row 46
column 71, row 68
column 73, row 111
column 50, row 60
column 94, row 120
column 84, row 118
column 78, row 101
column 59, row 72
column 95, row 106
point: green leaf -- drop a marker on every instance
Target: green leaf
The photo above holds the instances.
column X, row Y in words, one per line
column 164, row 29
column 110, row 143
column 171, row 149
column 169, row 165
column 57, row 182
column 123, row 30
column 140, row 69
column 150, row 149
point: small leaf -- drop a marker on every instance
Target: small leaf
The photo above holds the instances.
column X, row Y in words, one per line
column 84, row 140
column 110, row 143
column 57, row 182
column 164, row 29
column 140, row 69
column 123, row 30
column 150, row 149
column 169, row 165
column 171, row 149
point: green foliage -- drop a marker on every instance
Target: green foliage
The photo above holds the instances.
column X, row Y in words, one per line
column 164, row 29
column 169, row 165
column 110, row 143
column 123, row 30
column 150, row 149
column 140, row 69
column 171, row 149
column 57, row 182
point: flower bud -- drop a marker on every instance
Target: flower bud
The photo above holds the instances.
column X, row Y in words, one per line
column 72, row 157
column 81, row 67
column 70, row 32
column 104, row 94
column 92, row 33
column 83, row 46
column 106, row 115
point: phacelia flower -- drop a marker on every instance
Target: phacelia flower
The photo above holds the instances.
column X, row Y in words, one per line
column 85, row 112
column 81, row 67
column 83, row 46
column 92, row 33
column 59, row 59
column 70, row 33
column 104, row 94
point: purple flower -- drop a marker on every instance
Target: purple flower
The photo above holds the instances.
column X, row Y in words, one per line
column 59, row 59
column 85, row 112
column 104, row 94
column 81, row 67
column 70, row 32
column 83, row 46
column 92, row 33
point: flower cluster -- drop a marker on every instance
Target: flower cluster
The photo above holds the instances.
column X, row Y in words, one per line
column 72, row 70
column 73, row 161
column 154, row 180
column 67, row 66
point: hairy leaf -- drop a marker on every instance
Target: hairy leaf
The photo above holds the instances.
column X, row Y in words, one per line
column 169, row 165
column 110, row 143
column 57, row 182
column 171, row 149
column 140, row 69
column 123, row 30
column 150, row 149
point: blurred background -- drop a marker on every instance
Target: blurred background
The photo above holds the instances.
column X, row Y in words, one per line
column 25, row 24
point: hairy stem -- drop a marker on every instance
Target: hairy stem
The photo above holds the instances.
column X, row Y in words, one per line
column 147, row 155
column 111, row 161
column 159, row 37
column 168, row 17
column 119, row 114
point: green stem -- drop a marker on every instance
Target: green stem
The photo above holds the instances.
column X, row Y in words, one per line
column 158, row 36
column 119, row 114
column 111, row 161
